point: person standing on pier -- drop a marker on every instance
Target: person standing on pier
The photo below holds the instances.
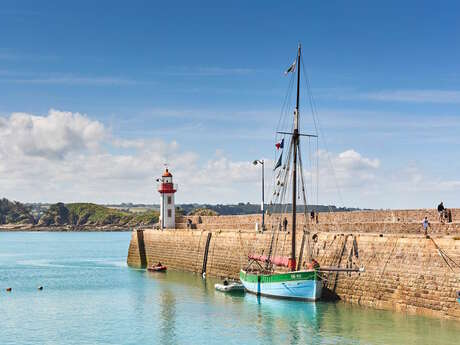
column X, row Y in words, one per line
column 285, row 224
column 441, row 212
column 425, row 225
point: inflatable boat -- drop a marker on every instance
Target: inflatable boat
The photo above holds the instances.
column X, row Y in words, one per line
column 157, row 268
column 229, row 287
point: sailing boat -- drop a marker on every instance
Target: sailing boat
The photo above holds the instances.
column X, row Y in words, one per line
column 274, row 282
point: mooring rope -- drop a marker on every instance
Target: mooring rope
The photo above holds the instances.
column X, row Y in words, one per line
column 445, row 257
column 385, row 265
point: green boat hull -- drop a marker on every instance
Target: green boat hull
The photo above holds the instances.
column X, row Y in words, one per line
column 300, row 285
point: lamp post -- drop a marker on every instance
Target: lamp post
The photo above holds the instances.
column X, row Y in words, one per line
column 262, row 206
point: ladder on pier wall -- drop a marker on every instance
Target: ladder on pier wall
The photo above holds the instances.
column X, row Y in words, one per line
column 141, row 247
column 206, row 252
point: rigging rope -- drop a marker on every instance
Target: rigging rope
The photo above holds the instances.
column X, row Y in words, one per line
column 280, row 194
column 318, row 128
column 278, row 206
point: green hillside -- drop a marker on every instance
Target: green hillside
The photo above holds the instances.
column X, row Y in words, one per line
column 84, row 214
column 203, row 212
column 76, row 214
column 13, row 212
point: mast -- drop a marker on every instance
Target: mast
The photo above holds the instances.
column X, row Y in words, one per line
column 295, row 138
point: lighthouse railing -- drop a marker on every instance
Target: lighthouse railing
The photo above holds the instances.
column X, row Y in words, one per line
column 167, row 188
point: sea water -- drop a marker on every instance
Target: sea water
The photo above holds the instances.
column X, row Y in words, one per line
column 91, row 297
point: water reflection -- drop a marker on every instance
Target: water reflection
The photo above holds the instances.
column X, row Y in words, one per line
column 263, row 320
column 95, row 305
column 168, row 318
column 265, row 324
column 291, row 322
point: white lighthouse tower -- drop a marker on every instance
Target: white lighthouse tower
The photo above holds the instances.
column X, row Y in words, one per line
column 167, row 207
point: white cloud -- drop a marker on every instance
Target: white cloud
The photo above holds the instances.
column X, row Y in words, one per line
column 215, row 71
column 346, row 170
column 52, row 136
column 352, row 160
column 73, row 80
column 342, row 179
column 395, row 95
column 17, row 77
column 68, row 156
column 65, row 156
column 350, row 179
column 418, row 96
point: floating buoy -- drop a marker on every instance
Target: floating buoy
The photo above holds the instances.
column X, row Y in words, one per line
column 40, row 288
column 9, row 289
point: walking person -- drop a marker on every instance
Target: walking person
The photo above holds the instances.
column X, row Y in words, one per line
column 285, row 224
column 425, row 225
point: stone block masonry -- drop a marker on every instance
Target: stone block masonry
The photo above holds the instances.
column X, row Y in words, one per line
column 403, row 269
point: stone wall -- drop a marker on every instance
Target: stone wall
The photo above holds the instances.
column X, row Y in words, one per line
column 378, row 221
column 403, row 268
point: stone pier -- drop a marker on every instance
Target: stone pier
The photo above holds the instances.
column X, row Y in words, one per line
column 403, row 269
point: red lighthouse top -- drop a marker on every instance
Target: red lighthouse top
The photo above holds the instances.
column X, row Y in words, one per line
column 166, row 185
column 167, row 173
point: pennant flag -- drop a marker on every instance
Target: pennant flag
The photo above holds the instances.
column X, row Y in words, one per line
column 278, row 164
column 291, row 68
column 280, row 145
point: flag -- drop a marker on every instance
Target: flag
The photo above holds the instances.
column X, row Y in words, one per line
column 280, row 145
column 278, row 164
column 291, row 68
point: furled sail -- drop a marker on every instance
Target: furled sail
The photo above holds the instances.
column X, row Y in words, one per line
column 276, row 260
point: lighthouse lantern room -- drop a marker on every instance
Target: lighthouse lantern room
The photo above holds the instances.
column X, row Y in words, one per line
column 167, row 207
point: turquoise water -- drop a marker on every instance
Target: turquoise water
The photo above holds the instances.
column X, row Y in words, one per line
column 91, row 297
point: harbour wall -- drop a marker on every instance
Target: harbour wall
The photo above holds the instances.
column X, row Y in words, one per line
column 404, row 270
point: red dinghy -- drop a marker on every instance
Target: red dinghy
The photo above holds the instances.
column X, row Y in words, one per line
column 157, row 268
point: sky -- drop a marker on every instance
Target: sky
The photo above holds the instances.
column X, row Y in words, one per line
column 97, row 96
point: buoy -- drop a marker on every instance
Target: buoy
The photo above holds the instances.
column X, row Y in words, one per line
column 8, row 289
column 40, row 288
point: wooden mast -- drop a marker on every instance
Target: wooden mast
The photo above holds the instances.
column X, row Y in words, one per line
column 295, row 138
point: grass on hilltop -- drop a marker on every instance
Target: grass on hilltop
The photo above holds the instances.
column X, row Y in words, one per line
column 92, row 214
column 87, row 213
column 203, row 212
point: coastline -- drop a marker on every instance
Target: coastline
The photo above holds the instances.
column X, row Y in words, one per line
column 63, row 228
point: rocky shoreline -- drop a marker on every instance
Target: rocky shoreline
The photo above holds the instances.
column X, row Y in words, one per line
column 15, row 216
column 63, row 228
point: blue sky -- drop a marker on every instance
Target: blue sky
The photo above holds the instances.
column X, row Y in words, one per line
column 204, row 81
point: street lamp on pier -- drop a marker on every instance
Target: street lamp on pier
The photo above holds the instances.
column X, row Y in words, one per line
column 262, row 206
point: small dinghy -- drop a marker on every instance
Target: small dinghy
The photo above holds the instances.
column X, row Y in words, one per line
column 157, row 268
column 229, row 287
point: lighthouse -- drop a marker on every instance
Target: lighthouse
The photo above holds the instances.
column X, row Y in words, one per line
column 167, row 208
